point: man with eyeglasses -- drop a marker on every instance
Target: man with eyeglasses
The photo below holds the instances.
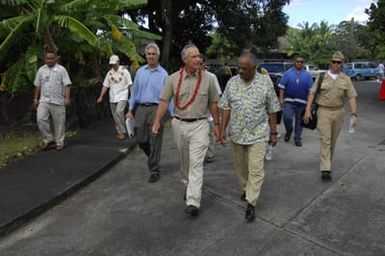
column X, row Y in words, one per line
column 335, row 87
column 294, row 88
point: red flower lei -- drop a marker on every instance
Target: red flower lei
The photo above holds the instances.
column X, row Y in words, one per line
column 177, row 96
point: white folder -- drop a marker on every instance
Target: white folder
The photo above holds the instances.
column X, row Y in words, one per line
column 130, row 127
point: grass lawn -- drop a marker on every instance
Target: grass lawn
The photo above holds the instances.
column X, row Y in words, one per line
column 14, row 146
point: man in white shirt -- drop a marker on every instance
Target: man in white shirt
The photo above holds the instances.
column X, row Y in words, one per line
column 52, row 96
column 118, row 81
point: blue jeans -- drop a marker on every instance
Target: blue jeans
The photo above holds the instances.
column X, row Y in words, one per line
column 295, row 110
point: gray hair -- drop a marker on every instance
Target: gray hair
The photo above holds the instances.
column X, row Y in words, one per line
column 154, row 46
column 184, row 50
column 250, row 56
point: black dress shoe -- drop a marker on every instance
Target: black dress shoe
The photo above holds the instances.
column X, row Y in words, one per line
column 287, row 137
column 298, row 144
column 326, row 176
column 192, row 210
column 250, row 213
column 154, row 177
column 243, row 196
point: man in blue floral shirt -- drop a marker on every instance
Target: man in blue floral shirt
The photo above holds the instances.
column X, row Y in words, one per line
column 249, row 104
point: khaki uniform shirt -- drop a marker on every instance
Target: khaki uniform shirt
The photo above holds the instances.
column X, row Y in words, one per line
column 333, row 92
column 206, row 95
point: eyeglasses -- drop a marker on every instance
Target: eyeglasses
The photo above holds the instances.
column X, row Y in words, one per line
column 299, row 61
column 336, row 62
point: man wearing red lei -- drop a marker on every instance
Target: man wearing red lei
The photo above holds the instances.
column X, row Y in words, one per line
column 195, row 96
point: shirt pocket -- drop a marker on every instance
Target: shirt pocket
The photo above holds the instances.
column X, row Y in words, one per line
column 183, row 95
column 325, row 85
column 342, row 86
column 202, row 97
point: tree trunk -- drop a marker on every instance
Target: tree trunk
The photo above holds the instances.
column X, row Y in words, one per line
column 49, row 43
column 167, row 30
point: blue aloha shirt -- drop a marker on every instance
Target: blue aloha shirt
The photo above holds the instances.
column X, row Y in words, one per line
column 250, row 107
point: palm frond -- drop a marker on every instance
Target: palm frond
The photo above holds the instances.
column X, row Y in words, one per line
column 14, row 2
column 128, row 4
column 130, row 26
column 74, row 5
column 12, row 77
column 127, row 47
column 39, row 14
column 105, row 46
column 7, row 25
column 145, row 35
column 13, row 36
column 78, row 28
column 31, row 61
column 113, row 19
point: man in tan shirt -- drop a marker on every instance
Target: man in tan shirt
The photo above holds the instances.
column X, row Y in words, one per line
column 335, row 88
column 195, row 96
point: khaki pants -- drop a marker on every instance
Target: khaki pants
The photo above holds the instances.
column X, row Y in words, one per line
column 192, row 141
column 46, row 111
column 329, row 124
column 248, row 164
column 117, row 110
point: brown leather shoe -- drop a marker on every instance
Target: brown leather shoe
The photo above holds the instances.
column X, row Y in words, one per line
column 120, row 136
column 45, row 146
column 59, row 147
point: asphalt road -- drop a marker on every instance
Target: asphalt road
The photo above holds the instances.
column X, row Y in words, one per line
column 297, row 214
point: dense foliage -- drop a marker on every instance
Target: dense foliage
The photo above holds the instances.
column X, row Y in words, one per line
column 252, row 24
column 83, row 31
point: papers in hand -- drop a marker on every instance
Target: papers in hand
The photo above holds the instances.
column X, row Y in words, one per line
column 130, row 127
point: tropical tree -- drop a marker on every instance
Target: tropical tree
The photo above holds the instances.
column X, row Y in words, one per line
column 252, row 24
column 78, row 27
column 221, row 48
column 245, row 23
column 376, row 25
column 352, row 39
column 314, row 41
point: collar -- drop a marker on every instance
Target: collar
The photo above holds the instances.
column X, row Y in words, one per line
column 185, row 74
column 152, row 69
column 54, row 68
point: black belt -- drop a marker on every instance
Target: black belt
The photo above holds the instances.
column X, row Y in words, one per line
column 189, row 120
column 148, row 104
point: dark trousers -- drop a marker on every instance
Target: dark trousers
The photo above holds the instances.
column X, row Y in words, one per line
column 295, row 110
column 150, row 143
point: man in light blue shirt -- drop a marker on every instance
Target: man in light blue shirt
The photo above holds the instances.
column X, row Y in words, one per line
column 148, row 84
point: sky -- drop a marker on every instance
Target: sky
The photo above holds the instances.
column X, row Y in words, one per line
column 331, row 11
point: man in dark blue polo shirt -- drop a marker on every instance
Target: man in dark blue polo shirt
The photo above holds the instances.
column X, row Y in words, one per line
column 294, row 88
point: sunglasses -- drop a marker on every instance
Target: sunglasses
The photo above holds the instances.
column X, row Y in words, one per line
column 336, row 62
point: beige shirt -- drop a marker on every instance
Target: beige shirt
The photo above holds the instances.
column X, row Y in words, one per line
column 333, row 91
column 206, row 95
